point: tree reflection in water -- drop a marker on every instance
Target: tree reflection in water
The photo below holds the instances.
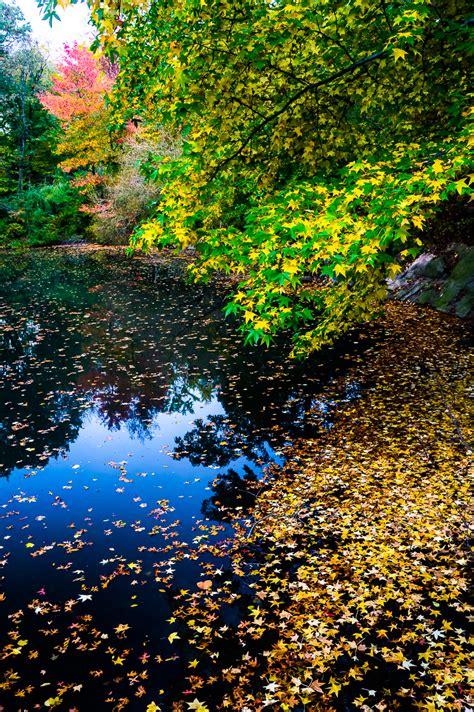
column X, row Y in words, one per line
column 98, row 332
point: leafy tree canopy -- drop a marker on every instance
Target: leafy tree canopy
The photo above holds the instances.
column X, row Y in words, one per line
column 77, row 98
column 320, row 139
column 26, row 130
column 13, row 28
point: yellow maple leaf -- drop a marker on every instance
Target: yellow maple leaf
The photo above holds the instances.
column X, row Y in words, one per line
column 340, row 269
column 334, row 687
column 460, row 185
column 290, row 266
column 418, row 221
column 153, row 707
column 121, row 628
column 399, row 54
column 197, row 706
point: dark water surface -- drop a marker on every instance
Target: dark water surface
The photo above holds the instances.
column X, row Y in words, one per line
column 129, row 412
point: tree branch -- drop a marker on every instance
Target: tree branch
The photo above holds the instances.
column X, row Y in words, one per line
column 291, row 100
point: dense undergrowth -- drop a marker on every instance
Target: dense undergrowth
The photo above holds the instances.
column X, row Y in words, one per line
column 43, row 215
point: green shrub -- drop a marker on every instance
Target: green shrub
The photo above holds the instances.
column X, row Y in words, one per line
column 43, row 215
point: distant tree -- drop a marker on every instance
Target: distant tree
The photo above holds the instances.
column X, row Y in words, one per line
column 26, row 130
column 13, row 28
column 77, row 98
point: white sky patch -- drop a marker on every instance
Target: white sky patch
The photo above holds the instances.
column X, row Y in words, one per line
column 73, row 26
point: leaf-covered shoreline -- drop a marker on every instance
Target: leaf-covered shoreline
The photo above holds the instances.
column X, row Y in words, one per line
column 357, row 552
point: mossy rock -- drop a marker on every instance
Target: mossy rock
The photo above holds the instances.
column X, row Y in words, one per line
column 427, row 296
column 445, row 282
column 463, row 272
column 435, row 268
column 450, row 291
column 465, row 306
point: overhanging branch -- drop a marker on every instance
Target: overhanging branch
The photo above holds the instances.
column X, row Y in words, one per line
column 309, row 87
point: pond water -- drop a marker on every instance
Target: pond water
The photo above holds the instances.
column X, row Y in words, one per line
column 130, row 412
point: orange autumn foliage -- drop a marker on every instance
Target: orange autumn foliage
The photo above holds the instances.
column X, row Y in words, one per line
column 78, row 99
